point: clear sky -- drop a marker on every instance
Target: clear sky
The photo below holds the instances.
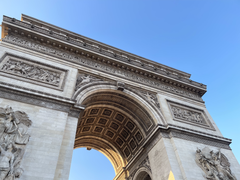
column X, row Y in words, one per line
column 201, row 37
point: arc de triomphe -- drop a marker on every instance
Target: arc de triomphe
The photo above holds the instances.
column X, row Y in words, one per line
column 60, row 90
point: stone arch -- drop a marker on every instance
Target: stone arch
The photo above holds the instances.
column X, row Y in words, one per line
column 115, row 122
column 154, row 112
column 143, row 173
column 103, row 146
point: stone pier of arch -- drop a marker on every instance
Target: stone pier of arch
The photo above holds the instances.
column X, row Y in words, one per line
column 60, row 91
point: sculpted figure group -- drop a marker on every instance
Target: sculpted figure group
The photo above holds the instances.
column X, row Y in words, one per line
column 187, row 115
column 13, row 139
column 31, row 71
column 215, row 165
column 83, row 79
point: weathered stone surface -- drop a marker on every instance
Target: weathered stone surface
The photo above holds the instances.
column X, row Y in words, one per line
column 148, row 119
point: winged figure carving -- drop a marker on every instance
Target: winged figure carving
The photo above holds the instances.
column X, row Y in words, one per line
column 13, row 140
column 214, row 164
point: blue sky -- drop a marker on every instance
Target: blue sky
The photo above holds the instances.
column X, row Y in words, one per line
column 201, row 37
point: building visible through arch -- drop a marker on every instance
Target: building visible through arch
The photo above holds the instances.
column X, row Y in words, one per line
column 60, row 90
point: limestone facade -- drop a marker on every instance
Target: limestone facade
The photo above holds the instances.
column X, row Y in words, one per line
column 147, row 118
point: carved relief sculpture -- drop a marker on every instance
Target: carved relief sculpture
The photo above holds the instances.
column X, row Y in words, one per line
column 214, row 164
column 13, row 140
column 187, row 115
column 31, row 71
column 101, row 66
column 190, row 115
column 151, row 98
column 83, row 79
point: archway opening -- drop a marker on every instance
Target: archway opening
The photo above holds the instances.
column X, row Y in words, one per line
column 115, row 123
column 143, row 176
column 90, row 164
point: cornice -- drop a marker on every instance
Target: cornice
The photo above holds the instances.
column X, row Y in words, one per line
column 68, row 35
column 74, row 46
column 104, row 66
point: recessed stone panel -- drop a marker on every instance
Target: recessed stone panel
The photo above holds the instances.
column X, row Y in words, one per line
column 132, row 144
column 138, row 137
column 86, row 129
column 110, row 134
column 119, row 141
column 98, row 129
column 90, row 120
column 107, row 112
column 119, row 117
column 190, row 115
column 124, row 134
column 127, row 152
column 115, row 126
column 94, row 111
column 130, row 125
column 32, row 71
column 102, row 121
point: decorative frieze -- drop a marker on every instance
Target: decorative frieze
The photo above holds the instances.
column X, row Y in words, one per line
column 93, row 46
column 106, row 67
column 13, row 140
column 189, row 115
column 214, row 164
column 32, row 71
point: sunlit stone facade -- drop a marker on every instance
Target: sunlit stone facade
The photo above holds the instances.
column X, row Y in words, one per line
column 147, row 118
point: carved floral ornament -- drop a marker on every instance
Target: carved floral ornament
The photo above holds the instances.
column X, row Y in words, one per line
column 106, row 67
column 13, row 140
column 214, row 164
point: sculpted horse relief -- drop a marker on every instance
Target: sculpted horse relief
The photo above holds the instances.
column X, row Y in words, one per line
column 13, row 140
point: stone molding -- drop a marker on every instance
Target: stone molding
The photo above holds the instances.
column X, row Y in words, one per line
column 66, row 105
column 31, row 71
column 59, row 103
column 145, row 163
column 89, row 44
column 110, row 68
column 199, row 139
column 74, row 112
column 189, row 115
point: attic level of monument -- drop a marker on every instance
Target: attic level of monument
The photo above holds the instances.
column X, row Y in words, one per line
column 49, row 39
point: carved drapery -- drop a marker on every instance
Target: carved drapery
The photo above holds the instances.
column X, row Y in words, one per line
column 214, row 164
column 13, row 140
